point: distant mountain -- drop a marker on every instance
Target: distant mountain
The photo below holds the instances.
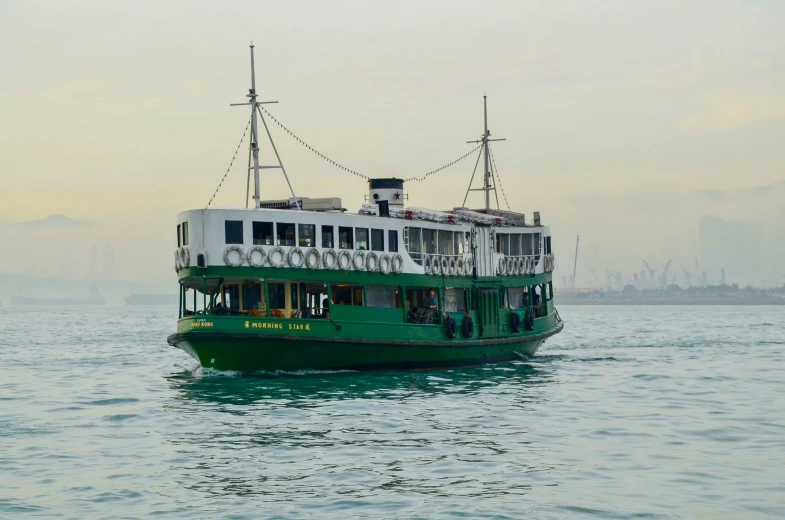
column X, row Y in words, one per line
column 54, row 223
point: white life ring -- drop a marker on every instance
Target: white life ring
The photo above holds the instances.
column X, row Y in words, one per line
column 517, row 266
column 176, row 260
column 529, row 261
column 371, row 262
column 445, row 264
column 510, row 266
column 249, row 257
column 436, row 265
column 185, row 256
column 345, row 255
column 468, row 266
column 459, row 266
column 427, row 264
column 295, row 262
column 281, row 257
column 396, row 264
column 384, row 264
column 502, row 267
column 453, row 266
column 358, row 260
column 241, row 256
column 333, row 262
column 313, row 258
column 547, row 263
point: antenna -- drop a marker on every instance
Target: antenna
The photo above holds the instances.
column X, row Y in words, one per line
column 488, row 185
column 253, row 148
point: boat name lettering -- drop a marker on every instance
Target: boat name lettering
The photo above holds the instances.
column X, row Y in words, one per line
column 277, row 326
column 196, row 324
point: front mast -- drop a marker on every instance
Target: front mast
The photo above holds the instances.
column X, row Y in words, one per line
column 487, row 182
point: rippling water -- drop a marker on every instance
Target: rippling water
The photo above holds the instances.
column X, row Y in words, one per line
column 630, row 412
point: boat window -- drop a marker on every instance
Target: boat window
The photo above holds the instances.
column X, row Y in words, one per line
column 547, row 245
column 327, row 236
column 314, row 300
column 277, row 294
column 537, row 245
column 345, row 237
column 414, row 245
column 446, row 246
column 307, row 235
column 231, row 297
column 429, row 241
column 346, row 294
column 549, row 291
column 387, row 296
column 178, row 235
column 361, row 236
column 455, row 300
column 503, row 241
column 285, row 234
column 233, row 229
column 515, row 244
column 185, row 233
column 377, row 240
column 294, row 295
column 459, row 242
column 392, row 241
column 252, row 296
column 516, row 298
column 528, row 247
column 418, row 305
column 262, row 233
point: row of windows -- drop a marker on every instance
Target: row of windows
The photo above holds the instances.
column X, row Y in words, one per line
column 305, row 235
column 182, row 234
column 436, row 241
column 516, row 244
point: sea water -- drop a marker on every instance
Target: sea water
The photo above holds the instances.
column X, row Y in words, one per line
column 631, row 412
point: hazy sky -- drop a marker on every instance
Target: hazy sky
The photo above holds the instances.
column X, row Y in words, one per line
column 116, row 112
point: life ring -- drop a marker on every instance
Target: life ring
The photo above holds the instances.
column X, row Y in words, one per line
column 468, row 266
column 371, row 266
column 396, row 264
column 426, row 265
column 228, row 261
column 453, row 266
column 385, row 264
column 298, row 261
column 250, row 258
column 176, row 260
column 345, row 255
column 333, row 256
column 527, row 262
column 358, row 260
column 436, row 265
column 510, row 267
column 450, row 327
column 502, row 268
column 185, row 257
column 528, row 320
column 515, row 322
column 520, row 268
column 445, row 265
column 313, row 258
column 459, row 266
column 271, row 257
column 467, row 327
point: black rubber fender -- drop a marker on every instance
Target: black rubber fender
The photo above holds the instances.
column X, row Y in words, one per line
column 450, row 327
column 467, row 327
column 515, row 322
column 528, row 320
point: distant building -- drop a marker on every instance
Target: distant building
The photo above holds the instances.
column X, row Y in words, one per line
column 735, row 246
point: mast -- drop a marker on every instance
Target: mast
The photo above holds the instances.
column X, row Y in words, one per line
column 487, row 185
column 253, row 150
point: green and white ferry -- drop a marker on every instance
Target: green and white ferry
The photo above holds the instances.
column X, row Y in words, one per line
column 300, row 283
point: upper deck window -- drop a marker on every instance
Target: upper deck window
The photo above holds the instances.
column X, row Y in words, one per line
column 429, row 241
column 392, row 241
column 345, row 237
column 377, row 239
column 185, row 233
column 445, row 243
column 327, row 236
column 361, row 237
column 262, row 233
column 285, row 234
column 233, row 230
column 528, row 244
column 414, row 244
column 178, row 235
column 307, row 235
column 515, row 245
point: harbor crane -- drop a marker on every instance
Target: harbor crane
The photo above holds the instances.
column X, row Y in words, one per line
column 594, row 274
column 665, row 268
column 687, row 277
column 652, row 278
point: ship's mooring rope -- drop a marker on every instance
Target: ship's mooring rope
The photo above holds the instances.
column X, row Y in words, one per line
column 230, row 163
column 496, row 172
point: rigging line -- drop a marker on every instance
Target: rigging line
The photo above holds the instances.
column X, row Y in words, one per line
column 472, row 179
column 314, row 150
column 437, row 170
column 230, row 163
column 499, row 179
